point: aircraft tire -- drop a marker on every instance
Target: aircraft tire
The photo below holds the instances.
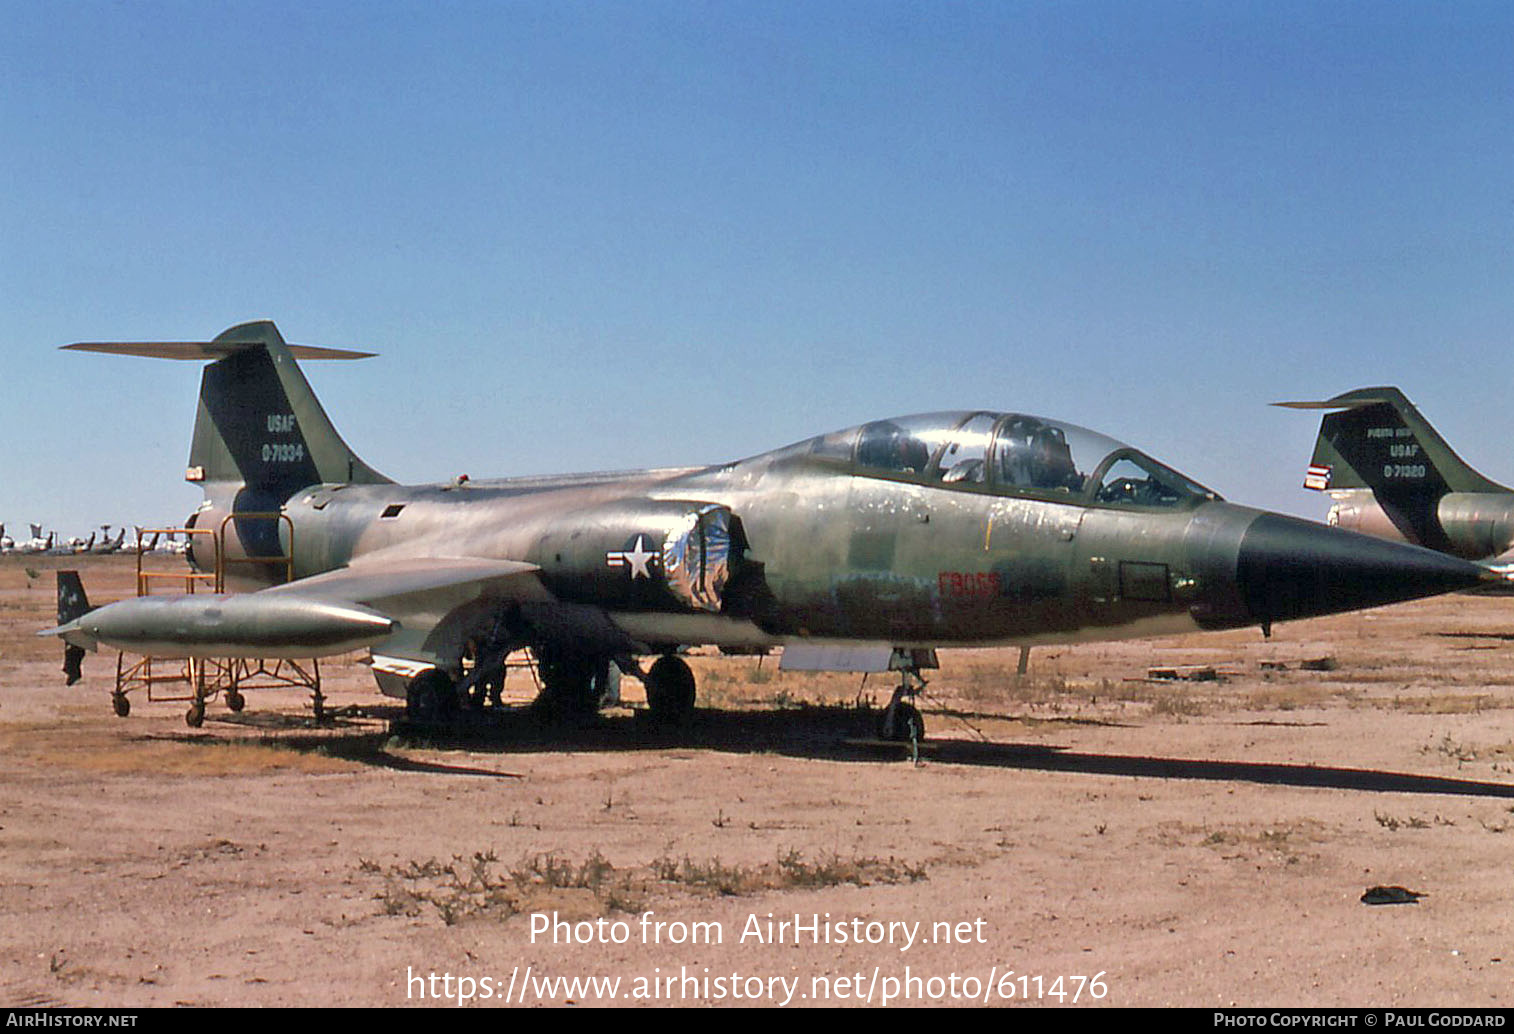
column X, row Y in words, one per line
column 903, row 725
column 235, row 701
column 195, row 716
column 431, row 697
column 121, row 704
column 670, row 690
column 571, row 684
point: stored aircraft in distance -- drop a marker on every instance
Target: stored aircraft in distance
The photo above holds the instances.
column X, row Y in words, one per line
column 37, row 543
column 889, row 539
column 1392, row 475
column 106, row 543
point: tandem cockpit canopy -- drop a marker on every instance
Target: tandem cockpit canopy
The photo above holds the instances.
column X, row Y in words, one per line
column 1008, row 453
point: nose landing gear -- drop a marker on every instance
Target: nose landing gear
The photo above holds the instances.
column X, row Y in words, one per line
column 901, row 721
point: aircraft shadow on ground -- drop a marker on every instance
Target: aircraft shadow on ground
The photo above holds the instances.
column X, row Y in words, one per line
column 840, row 734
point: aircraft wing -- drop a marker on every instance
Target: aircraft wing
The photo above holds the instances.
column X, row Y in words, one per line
column 434, row 602
column 376, row 580
column 438, row 603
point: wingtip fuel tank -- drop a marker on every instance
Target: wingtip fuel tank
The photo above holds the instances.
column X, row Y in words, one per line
column 224, row 625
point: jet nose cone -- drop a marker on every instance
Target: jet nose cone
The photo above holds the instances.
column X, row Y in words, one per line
column 1290, row 568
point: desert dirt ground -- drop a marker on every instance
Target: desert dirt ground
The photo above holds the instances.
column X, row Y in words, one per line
column 1086, row 831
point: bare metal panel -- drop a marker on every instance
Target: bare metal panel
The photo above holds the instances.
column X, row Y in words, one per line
column 696, row 557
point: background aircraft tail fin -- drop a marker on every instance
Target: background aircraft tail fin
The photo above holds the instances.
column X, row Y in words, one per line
column 1375, row 439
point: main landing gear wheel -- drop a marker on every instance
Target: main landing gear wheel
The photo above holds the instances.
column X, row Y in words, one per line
column 901, row 723
column 670, row 690
column 573, row 685
column 431, row 697
column 121, row 704
column 486, row 690
column 235, row 701
column 195, row 716
column 483, row 684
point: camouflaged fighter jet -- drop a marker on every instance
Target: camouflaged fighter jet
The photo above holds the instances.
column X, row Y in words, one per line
column 887, row 539
column 1393, row 476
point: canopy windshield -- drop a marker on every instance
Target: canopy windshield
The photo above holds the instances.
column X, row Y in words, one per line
column 1012, row 453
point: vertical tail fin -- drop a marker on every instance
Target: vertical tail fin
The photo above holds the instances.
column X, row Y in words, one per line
column 258, row 424
column 1375, row 439
column 260, row 434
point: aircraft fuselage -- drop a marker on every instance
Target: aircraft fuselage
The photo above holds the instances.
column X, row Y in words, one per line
column 820, row 553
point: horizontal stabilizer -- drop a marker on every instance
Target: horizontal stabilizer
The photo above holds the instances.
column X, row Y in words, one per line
column 206, row 351
column 1340, row 402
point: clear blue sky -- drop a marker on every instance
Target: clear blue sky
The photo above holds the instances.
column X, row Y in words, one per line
column 603, row 235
